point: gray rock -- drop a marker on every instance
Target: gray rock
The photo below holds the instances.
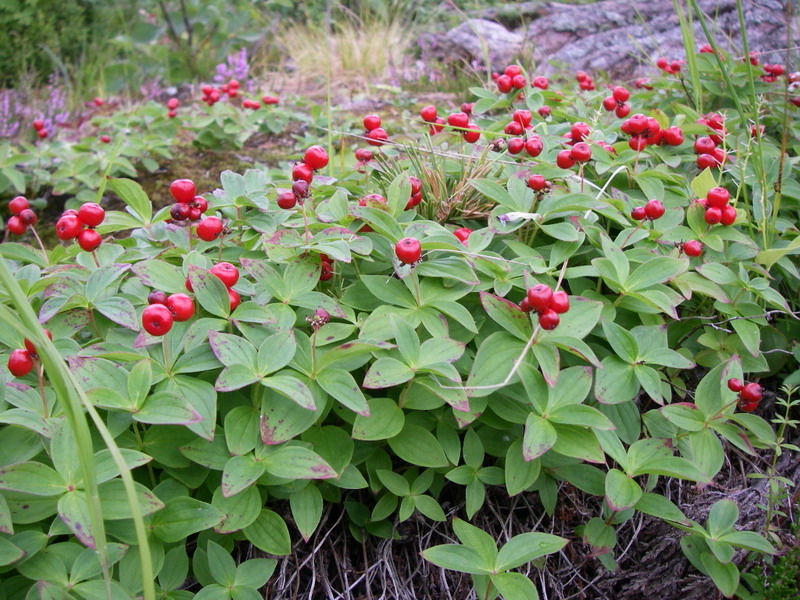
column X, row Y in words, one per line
column 476, row 37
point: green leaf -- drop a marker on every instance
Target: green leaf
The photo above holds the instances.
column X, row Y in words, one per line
column 74, row 512
column 622, row 342
column 385, row 420
column 239, row 510
column 456, row 557
column 514, row 586
column 622, row 492
column 232, row 349
column 166, row 408
column 476, row 539
column 9, row 553
column 725, row 576
column 526, row 547
column 32, row 478
column 292, row 388
column 182, row 517
column 657, row 505
column 396, row 484
column 114, row 500
column 119, row 310
column 306, row 506
column 520, row 474
column 210, row 292
column 132, row 194
column 493, row 363
column 703, row 182
column 241, row 472
column 341, row 385
column 750, row 540
column 255, row 573
column 539, row 437
column 160, row 275
column 656, row 270
column 276, row 352
column 616, row 381
column 722, row 517
column 269, row 533
column 220, row 564
column 296, row 462
column 418, row 446
column 387, row 372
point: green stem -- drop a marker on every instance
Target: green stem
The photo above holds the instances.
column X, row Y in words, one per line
column 40, row 379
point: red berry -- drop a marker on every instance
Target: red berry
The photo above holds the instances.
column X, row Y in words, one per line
column 564, row 159
column 287, row 200
column 210, row 228
column 746, row 406
column 513, row 70
column 544, row 111
column 29, row 344
column 179, row 212
column 693, row 248
column 579, row 131
column 91, row 214
column 372, row 122
column 194, row 213
column 637, row 124
column 549, row 320
column 181, row 307
column 706, row 161
column 621, row 94
column 638, row 213
column 673, row 136
column 751, row 392
column 728, row 215
column 654, row 209
column 38, row 124
column 473, row 134
column 98, row 101
column 300, row 189
column 316, row 157
column 234, row 298
column 541, row 82
column 326, row 271
column 662, row 63
column 301, row 171
column 513, row 128
column 581, row 152
column 537, row 182
column 183, row 190
column 18, row 204
column 560, row 302
column 226, row 272
column 539, row 297
column 416, row 185
column 523, row 117
column 28, row 217
column 172, row 103
column 515, row 145
column 157, row 297
column 466, row 107
column 718, row 197
column 462, row 233
column 89, row 240
column 376, row 137
column 68, row 227
column 704, row 145
column 713, row 215
column 518, row 82
column 436, row 126
column 428, row 113
column 157, row 319
column 20, row 363
column 42, row 133
column 525, row 306
column 106, row 139
column 458, row 119
column 609, row 103
column 408, row 250
column 504, row 84
column 374, row 200
column 200, row 204
column 735, row 385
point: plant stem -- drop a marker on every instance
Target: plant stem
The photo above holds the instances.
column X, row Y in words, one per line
column 96, row 262
column 165, row 350
column 41, row 245
column 40, row 379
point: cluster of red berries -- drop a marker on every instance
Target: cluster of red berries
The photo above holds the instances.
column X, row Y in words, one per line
column 652, row 210
column 326, row 267
column 618, row 102
column 512, row 79
column 172, row 107
column 580, row 151
column 251, row 104
column 538, row 183
column 645, row 131
column 375, row 134
column 520, row 123
column 470, row 131
column 163, row 310
column 750, row 394
column 667, row 66
column 22, row 216
column 20, row 361
column 363, row 156
column 314, row 158
column 212, row 95
column 81, row 224
column 772, row 72
column 709, row 155
column 547, row 304
column 585, row 82
column 408, row 251
column 188, row 205
column 717, row 208
column 41, row 130
column 691, row 248
column 430, row 116
column 643, row 83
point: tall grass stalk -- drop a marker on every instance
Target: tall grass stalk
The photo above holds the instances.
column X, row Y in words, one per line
column 689, row 43
column 74, row 402
column 758, row 158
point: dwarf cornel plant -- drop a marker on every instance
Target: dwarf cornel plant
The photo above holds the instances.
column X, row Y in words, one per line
column 591, row 297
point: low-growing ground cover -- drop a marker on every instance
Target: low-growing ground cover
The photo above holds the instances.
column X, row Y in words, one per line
column 573, row 303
